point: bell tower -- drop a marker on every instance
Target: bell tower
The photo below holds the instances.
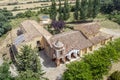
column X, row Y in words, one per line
column 59, row 51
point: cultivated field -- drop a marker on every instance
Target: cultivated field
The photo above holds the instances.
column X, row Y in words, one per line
column 22, row 5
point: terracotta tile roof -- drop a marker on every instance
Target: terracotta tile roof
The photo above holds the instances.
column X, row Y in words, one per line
column 88, row 29
column 30, row 31
column 33, row 29
column 72, row 40
column 100, row 37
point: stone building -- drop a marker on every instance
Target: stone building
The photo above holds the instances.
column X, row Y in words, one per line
column 64, row 46
column 92, row 32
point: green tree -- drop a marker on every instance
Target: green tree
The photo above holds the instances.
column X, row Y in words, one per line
column 5, row 73
column 6, row 13
column 78, row 71
column 98, row 65
column 28, row 59
column 53, row 10
column 5, row 17
column 60, row 17
column 90, row 8
column 7, row 27
column 29, row 13
column 96, row 8
column 107, row 6
column 66, row 10
column 29, row 75
column 116, row 4
column 83, row 9
column 28, row 64
column 76, row 13
column 20, row 15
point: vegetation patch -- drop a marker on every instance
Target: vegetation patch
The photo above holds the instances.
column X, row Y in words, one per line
column 54, row 30
column 95, row 65
column 5, row 17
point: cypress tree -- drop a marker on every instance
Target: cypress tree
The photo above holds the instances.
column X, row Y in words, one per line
column 90, row 8
column 66, row 10
column 83, row 9
column 60, row 17
column 76, row 13
column 53, row 10
column 96, row 8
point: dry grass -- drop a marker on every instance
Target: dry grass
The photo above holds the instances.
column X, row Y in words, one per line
column 16, row 22
column 109, row 24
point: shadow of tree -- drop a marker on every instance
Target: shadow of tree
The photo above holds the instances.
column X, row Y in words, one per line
column 46, row 61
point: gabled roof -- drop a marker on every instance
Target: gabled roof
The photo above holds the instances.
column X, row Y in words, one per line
column 100, row 37
column 33, row 29
column 72, row 40
column 88, row 29
column 30, row 31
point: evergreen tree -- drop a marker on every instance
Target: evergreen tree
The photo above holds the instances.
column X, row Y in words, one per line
column 60, row 11
column 27, row 60
column 66, row 10
column 90, row 8
column 83, row 9
column 53, row 10
column 96, row 8
column 29, row 75
column 76, row 14
column 116, row 4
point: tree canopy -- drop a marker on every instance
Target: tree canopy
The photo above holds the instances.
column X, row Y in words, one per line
column 4, row 72
column 5, row 17
column 28, row 64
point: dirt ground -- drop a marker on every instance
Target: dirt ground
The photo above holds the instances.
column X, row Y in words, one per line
column 4, row 49
column 25, row 6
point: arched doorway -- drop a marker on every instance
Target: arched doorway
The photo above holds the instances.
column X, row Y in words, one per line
column 67, row 58
column 61, row 61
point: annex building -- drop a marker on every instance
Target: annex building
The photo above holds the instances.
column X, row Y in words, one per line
column 64, row 46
